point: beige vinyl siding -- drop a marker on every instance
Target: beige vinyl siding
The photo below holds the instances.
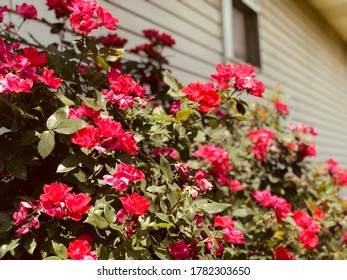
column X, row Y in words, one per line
column 198, row 38
column 306, row 56
column 298, row 49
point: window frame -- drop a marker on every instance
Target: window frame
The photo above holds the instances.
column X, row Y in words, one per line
column 228, row 45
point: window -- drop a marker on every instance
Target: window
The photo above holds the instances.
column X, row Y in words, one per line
column 241, row 35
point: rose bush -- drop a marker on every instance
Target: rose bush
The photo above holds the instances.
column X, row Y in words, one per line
column 107, row 158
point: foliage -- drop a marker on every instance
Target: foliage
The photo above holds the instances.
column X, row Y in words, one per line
column 95, row 165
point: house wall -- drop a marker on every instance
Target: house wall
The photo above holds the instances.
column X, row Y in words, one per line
column 298, row 50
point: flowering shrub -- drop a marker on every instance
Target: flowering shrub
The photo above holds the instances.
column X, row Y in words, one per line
column 107, row 158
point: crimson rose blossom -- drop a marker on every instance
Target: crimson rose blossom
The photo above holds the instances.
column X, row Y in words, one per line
column 262, row 139
column 87, row 137
column 80, row 250
column 2, row 10
column 54, row 192
column 236, row 186
column 106, row 19
column 243, row 76
column 27, row 11
column 35, row 58
column 302, row 219
column 179, row 250
column 213, row 250
column 49, row 79
column 308, row 238
column 282, row 253
column 280, row 205
column 223, row 221
column 281, row 107
column 82, row 16
column 204, row 94
column 77, row 205
column 135, row 203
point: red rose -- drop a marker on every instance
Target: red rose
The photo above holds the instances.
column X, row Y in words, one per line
column 205, row 94
column 179, row 250
column 80, row 250
column 49, row 79
column 35, row 58
column 109, row 128
column 54, row 192
column 106, row 19
column 135, row 204
column 77, row 205
column 223, row 221
column 87, row 137
column 282, row 253
column 236, row 186
column 302, row 219
column 281, row 107
column 27, row 11
column 82, row 16
column 308, row 238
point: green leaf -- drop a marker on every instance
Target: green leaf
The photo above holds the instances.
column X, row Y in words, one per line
column 64, row 99
column 240, row 108
column 164, row 225
column 166, row 169
column 102, row 62
column 96, row 104
column 13, row 244
column 2, row 250
column 70, row 126
column 46, row 143
column 30, row 245
column 161, row 253
column 30, row 137
column 6, row 221
column 183, row 115
column 157, row 189
column 17, row 168
column 214, row 207
column 68, row 164
column 52, row 258
column 242, row 212
column 163, row 217
column 60, row 115
column 170, row 81
column 96, row 221
column 110, row 213
column 59, row 250
column 102, row 252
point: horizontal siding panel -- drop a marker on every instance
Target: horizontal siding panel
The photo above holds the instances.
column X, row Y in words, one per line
column 299, row 43
column 303, row 39
column 330, row 95
column 310, row 62
column 189, row 15
column 164, row 20
column 206, row 9
column 214, row 3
